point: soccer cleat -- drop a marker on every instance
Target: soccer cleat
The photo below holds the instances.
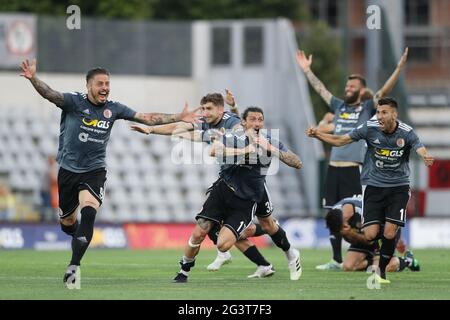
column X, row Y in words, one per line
column 412, row 263
column 180, row 278
column 380, row 280
column 221, row 259
column 72, row 277
column 262, row 272
column 295, row 267
column 331, row 265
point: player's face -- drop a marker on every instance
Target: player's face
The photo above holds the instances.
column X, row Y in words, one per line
column 254, row 120
column 211, row 112
column 387, row 117
column 98, row 88
column 353, row 90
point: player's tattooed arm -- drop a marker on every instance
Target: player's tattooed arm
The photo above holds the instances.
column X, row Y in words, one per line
column 290, row 158
column 29, row 72
column 305, row 65
column 390, row 83
column 153, row 118
column 46, row 92
column 353, row 236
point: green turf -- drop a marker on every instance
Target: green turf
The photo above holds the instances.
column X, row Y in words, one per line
column 127, row 274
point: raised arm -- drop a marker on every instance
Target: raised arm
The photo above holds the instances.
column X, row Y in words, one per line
column 426, row 157
column 334, row 140
column 390, row 83
column 305, row 65
column 29, row 72
column 153, row 119
column 231, row 101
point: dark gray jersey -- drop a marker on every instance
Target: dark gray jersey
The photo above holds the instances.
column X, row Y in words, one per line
column 386, row 163
column 84, row 131
column 356, row 202
column 347, row 118
column 229, row 121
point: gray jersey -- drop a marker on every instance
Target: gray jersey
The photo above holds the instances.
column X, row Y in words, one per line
column 229, row 121
column 347, row 118
column 84, row 131
column 386, row 163
column 356, row 202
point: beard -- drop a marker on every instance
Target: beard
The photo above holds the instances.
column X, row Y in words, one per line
column 352, row 99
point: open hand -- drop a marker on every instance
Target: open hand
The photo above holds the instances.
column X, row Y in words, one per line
column 28, row 69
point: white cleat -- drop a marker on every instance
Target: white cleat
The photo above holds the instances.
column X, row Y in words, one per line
column 262, row 272
column 295, row 267
column 221, row 259
column 332, row 265
column 72, row 277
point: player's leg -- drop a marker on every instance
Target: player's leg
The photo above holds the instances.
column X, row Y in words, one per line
column 268, row 224
column 222, row 257
column 395, row 213
column 263, row 267
column 355, row 261
column 210, row 215
column 192, row 248
column 330, row 199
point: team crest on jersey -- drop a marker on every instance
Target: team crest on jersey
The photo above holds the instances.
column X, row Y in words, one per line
column 107, row 113
column 400, row 142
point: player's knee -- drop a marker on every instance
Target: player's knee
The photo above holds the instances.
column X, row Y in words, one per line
column 90, row 203
column 249, row 232
column 370, row 235
column 389, row 233
column 68, row 221
column 348, row 266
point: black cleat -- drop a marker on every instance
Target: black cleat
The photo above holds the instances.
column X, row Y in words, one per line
column 180, row 278
column 413, row 263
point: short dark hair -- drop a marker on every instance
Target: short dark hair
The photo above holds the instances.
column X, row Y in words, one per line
column 357, row 77
column 214, row 98
column 388, row 100
column 334, row 220
column 93, row 72
column 252, row 109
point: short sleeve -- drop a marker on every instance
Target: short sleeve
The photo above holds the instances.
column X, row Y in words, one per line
column 335, row 104
column 359, row 132
column 414, row 140
column 124, row 112
column 71, row 100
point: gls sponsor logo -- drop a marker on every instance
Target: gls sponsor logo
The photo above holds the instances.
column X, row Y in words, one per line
column 349, row 116
column 96, row 123
column 390, row 153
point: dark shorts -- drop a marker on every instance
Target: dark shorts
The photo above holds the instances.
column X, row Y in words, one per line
column 70, row 184
column 367, row 249
column 385, row 205
column 265, row 206
column 340, row 183
column 224, row 208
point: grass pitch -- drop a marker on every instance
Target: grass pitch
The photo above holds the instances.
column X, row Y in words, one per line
column 127, row 274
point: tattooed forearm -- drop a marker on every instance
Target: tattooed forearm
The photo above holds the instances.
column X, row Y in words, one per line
column 319, row 87
column 47, row 92
column 291, row 159
column 153, row 119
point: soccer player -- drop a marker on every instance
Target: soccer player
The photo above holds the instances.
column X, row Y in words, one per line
column 385, row 173
column 343, row 174
column 86, row 123
column 234, row 196
column 214, row 119
column 345, row 218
